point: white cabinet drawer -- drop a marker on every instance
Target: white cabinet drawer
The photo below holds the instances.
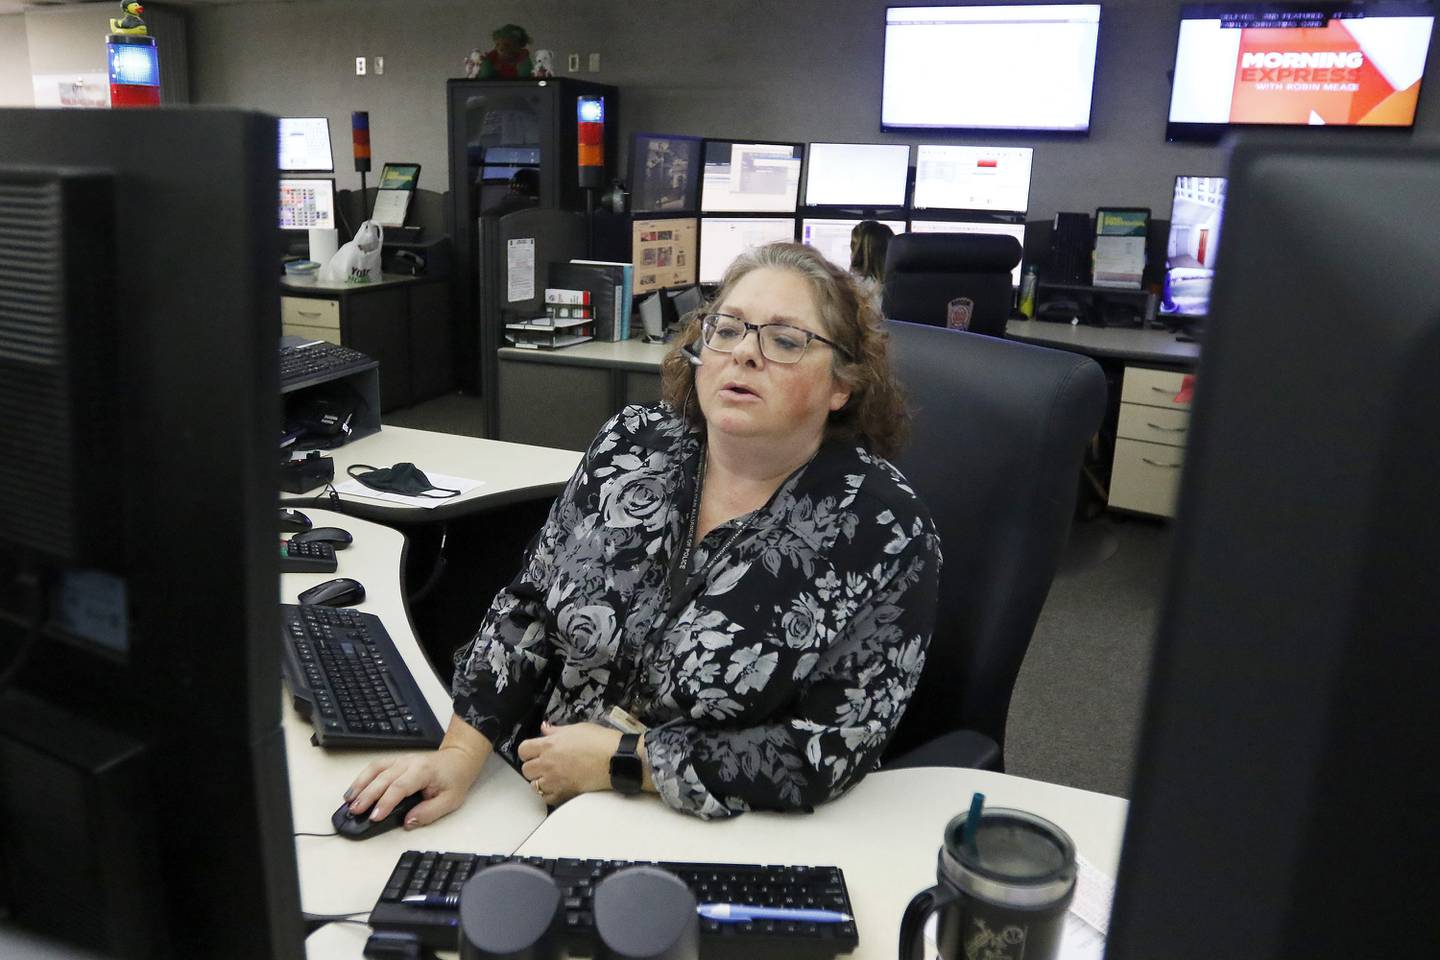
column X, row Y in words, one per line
column 1155, row 388
column 310, row 312
column 1146, row 477
column 310, row 333
column 1154, row 424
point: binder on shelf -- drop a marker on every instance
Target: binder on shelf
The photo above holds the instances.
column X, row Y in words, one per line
column 611, row 286
column 548, row 333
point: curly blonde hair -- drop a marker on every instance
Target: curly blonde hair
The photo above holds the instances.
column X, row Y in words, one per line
column 875, row 415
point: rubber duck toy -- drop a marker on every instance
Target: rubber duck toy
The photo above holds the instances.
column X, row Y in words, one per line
column 510, row 60
column 131, row 22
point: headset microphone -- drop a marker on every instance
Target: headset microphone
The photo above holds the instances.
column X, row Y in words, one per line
column 692, row 353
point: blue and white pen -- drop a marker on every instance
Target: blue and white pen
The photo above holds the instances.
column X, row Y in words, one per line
column 740, row 912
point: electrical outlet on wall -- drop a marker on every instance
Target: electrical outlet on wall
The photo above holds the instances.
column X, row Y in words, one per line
column 359, row 66
column 572, row 63
column 594, row 63
column 379, row 65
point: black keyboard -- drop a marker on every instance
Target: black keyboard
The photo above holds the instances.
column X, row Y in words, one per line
column 317, row 362
column 441, row 875
column 307, row 556
column 346, row 678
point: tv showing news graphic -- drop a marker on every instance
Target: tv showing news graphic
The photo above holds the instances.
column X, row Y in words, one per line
column 1355, row 64
column 1190, row 250
column 750, row 177
column 1028, row 67
column 972, row 178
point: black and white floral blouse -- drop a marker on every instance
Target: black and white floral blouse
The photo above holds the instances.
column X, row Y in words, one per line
column 778, row 676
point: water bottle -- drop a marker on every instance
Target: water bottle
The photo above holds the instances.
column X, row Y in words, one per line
column 1028, row 283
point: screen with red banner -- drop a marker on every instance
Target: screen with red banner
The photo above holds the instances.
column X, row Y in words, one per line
column 1351, row 65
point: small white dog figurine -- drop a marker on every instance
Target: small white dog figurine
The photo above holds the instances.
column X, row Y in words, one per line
column 472, row 64
column 544, row 61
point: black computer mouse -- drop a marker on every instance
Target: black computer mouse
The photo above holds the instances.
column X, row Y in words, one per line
column 340, row 592
column 361, row 827
column 293, row 520
column 340, row 539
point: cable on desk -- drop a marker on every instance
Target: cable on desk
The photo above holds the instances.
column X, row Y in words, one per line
column 303, row 834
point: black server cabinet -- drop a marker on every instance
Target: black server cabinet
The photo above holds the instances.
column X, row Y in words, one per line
column 496, row 128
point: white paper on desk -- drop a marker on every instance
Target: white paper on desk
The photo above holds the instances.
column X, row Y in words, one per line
column 1088, row 920
column 520, row 270
column 354, row 488
column 390, row 207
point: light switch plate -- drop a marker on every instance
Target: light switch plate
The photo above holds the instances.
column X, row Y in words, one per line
column 594, row 63
column 573, row 62
column 379, row 65
column 359, row 66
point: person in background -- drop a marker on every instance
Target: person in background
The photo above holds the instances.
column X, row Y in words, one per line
column 737, row 568
column 869, row 242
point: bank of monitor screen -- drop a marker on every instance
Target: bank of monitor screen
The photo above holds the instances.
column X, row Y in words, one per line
column 857, row 174
column 305, row 145
column 722, row 239
column 1190, row 250
column 1016, row 230
column 993, row 179
column 307, row 204
column 664, row 253
column 990, row 67
column 750, row 177
column 1356, row 64
column 664, row 173
column 832, row 237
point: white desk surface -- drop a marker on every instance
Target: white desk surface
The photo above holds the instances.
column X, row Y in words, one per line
column 508, row 471
column 884, row 834
column 630, row 354
column 1150, row 346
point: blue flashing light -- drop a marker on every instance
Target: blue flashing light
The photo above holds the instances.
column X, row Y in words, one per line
column 591, row 109
column 134, row 64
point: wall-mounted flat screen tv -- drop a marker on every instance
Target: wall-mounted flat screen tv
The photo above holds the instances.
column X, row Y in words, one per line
column 1355, row 64
column 990, row 68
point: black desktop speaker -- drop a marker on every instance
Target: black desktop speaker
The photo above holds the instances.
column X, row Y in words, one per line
column 57, row 366
column 1070, row 242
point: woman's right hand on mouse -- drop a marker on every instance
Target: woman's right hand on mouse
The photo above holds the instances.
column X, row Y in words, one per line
column 442, row 778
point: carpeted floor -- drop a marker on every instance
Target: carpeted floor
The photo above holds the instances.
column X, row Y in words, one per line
column 1077, row 703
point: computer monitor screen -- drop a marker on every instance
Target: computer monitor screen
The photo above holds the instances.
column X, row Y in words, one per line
column 972, row 178
column 832, row 237
column 990, row 67
column 128, row 732
column 751, row 177
column 664, row 173
column 1016, row 230
column 305, row 145
column 399, row 176
column 857, row 174
column 722, row 239
column 1194, row 240
column 1342, row 64
column 307, row 204
column 664, row 252
column 1292, row 689
column 499, row 164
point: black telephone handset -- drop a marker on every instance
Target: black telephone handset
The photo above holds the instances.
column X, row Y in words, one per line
column 407, row 261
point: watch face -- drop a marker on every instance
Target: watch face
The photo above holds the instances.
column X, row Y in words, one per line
column 626, row 773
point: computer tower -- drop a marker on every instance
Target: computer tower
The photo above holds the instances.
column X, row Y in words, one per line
column 498, row 128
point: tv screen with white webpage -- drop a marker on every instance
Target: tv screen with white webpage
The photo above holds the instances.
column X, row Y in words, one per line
column 1355, row 64
column 832, row 237
column 722, row 239
column 1016, row 230
column 857, row 174
column 1190, row 249
column 750, row 177
column 990, row 68
column 972, row 178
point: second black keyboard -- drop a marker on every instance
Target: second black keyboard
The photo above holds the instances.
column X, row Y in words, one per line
column 419, row 873
column 318, row 361
column 347, row 678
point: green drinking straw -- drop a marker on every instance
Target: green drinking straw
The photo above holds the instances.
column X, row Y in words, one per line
column 972, row 823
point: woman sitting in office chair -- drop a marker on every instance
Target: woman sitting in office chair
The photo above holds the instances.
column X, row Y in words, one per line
column 736, row 568
column 869, row 242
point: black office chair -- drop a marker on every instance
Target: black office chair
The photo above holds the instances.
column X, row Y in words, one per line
column 925, row 271
column 999, row 432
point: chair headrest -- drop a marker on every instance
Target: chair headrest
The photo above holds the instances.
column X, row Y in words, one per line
column 952, row 253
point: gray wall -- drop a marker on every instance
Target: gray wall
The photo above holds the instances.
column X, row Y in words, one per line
column 796, row 70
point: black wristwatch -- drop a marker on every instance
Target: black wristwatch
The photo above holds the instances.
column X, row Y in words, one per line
column 627, row 775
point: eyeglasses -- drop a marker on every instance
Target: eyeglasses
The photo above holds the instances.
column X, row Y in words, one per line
column 779, row 342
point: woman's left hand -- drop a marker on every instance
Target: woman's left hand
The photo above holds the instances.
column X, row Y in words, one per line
column 567, row 760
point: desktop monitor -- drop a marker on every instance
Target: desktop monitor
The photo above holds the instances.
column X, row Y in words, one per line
column 664, row 253
column 307, row 204
column 305, row 145
column 1353, row 64
column 1192, row 246
column 990, row 67
column 857, row 174
column 1283, row 799
column 1016, row 230
column 750, row 177
column 722, row 239
column 832, row 237
column 664, row 173
column 146, row 807
column 992, row 179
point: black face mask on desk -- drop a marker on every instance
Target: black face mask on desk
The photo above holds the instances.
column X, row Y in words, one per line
column 405, row 479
